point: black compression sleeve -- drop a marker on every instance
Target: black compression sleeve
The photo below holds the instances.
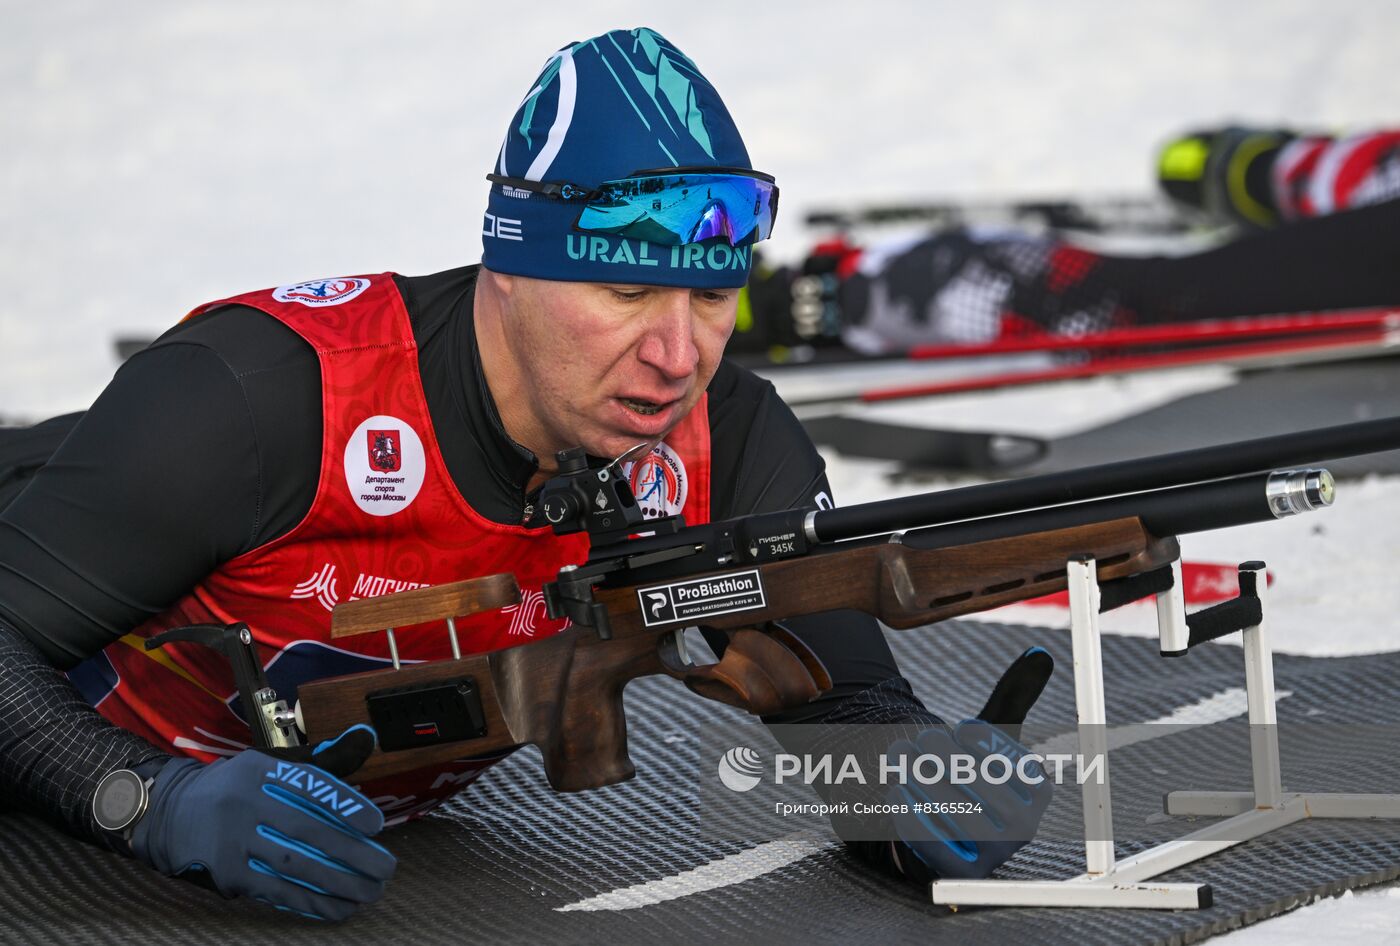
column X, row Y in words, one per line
column 54, row 747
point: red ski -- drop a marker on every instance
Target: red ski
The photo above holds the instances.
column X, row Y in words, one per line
column 1183, row 333
column 1311, row 346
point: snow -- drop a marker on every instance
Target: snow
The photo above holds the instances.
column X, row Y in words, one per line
column 1365, row 917
column 159, row 155
column 1076, row 405
column 1073, row 407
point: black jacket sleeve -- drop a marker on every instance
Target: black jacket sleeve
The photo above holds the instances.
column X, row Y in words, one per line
column 99, row 538
column 170, row 473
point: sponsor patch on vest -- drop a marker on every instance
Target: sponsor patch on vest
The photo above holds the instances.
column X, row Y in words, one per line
column 321, row 292
column 658, row 481
column 701, row 598
column 384, row 465
column 321, row 586
column 324, row 586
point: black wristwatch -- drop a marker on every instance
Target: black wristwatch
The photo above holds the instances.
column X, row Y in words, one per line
column 120, row 802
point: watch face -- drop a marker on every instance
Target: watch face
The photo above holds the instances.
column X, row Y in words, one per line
column 120, row 799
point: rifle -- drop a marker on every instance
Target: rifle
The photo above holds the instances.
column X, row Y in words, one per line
column 908, row 562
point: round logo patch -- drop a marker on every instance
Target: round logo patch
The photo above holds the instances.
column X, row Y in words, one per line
column 384, row 465
column 658, row 481
column 319, row 292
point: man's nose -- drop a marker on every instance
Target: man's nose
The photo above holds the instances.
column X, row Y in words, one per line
column 669, row 342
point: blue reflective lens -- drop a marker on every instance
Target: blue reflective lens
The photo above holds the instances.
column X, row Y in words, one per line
column 676, row 207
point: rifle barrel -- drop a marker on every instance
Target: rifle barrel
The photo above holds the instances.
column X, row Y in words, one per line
column 1109, row 479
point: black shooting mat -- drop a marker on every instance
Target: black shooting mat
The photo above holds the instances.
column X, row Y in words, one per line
column 498, row 863
column 1262, row 403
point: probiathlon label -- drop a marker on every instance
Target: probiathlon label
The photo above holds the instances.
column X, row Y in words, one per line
column 701, row 598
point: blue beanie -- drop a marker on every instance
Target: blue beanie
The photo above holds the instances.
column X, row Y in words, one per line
column 621, row 102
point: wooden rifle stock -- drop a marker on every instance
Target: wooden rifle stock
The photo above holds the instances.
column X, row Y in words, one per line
column 564, row 693
column 909, row 587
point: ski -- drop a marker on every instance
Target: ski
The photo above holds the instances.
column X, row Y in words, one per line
column 925, row 449
column 1189, row 333
column 1330, row 346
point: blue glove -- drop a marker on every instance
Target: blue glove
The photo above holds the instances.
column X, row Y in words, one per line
column 967, row 830
column 981, row 824
column 287, row 833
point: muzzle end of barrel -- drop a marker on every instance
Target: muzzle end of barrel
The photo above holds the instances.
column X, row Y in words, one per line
column 1291, row 492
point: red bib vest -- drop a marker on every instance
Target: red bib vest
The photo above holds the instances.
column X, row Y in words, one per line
column 386, row 517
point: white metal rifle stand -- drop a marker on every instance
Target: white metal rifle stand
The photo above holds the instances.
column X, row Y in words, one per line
column 1120, row 883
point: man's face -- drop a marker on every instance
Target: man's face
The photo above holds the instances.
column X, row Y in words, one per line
column 607, row 366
